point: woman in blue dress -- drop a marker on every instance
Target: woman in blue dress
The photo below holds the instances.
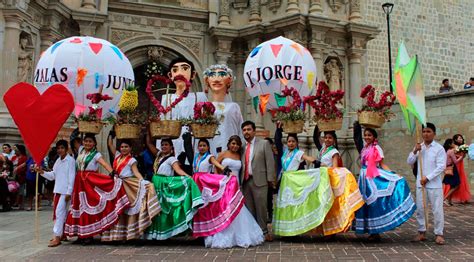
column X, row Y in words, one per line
column 388, row 201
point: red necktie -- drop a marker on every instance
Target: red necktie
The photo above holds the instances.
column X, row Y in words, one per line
column 247, row 161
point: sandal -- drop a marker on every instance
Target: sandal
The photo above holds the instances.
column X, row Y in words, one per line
column 54, row 243
column 439, row 240
column 419, row 238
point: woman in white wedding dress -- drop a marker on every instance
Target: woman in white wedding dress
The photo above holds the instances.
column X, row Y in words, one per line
column 244, row 230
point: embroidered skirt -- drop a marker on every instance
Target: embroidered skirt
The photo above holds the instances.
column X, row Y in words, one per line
column 96, row 203
column 144, row 206
column 347, row 200
column 180, row 199
column 223, row 201
column 304, row 199
column 388, row 202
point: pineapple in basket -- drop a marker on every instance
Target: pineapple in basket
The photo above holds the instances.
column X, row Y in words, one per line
column 129, row 100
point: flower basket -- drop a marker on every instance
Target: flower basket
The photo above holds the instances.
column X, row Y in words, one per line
column 329, row 125
column 371, row 119
column 127, row 131
column 165, row 128
column 204, row 130
column 93, row 127
column 293, row 127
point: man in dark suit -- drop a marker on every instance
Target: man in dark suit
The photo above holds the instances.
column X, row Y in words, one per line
column 258, row 172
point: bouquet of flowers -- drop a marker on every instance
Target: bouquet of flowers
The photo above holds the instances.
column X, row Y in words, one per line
column 292, row 116
column 203, row 123
column 152, row 69
column 90, row 122
column 373, row 113
column 327, row 107
column 462, row 149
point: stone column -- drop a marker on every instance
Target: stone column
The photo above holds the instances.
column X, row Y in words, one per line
column 255, row 12
column 355, row 81
column 292, row 7
column 317, row 50
column 223, row 53
column 89, row 4
column 256, row 116
column 315, row 7
column 239, row 84
column 8, row 130
column 47, row 39
column 354, row 7
column 224, row 14
column 87, row 28
column 10, row 53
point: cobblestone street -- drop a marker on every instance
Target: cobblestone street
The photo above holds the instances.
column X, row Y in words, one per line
column 17, row 242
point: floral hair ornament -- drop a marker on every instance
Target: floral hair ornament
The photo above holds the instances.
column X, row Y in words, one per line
column 210, row 72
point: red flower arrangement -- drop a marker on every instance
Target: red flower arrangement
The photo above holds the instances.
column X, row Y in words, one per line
column 95, row 112
column 96, row 98
column 325, row 102
column 386, row 100
column 157, row 78
column 203, row 110
column 203, row 114
column 291, row 112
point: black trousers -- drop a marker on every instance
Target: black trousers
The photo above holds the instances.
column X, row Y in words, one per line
column 4, row 193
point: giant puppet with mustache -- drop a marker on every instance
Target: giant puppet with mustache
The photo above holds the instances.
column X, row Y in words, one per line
column 184, row 109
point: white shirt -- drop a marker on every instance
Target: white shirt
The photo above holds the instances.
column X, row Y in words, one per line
column 326, row 158
column 64, row 172
column 93, row 164
column 10, row 156
column 291, row 161
column 166, row 168
column 203, row 165
column 127, row 170
column 434, row 163
column 252, row 145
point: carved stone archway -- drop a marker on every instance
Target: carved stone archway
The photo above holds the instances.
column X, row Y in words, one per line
column 136, row 48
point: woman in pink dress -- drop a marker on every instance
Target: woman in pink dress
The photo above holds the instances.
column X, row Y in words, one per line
column 224, row 220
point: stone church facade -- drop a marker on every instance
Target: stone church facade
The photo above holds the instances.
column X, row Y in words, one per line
column 347, row 39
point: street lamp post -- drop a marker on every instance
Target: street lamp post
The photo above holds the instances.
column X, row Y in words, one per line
column 387, row 9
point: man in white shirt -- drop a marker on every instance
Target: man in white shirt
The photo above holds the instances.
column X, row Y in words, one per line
column 64, row 172
column 429, row 176
column 8, row 152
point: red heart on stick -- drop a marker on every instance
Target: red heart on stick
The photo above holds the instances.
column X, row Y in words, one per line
column 39, row 117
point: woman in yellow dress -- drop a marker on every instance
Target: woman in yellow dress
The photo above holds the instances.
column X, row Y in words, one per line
column 347, row 197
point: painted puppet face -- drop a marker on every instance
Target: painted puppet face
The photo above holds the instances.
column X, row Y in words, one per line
column 219, row 81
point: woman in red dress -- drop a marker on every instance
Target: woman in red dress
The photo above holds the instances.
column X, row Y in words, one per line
column 97, row 199
column 463, row 194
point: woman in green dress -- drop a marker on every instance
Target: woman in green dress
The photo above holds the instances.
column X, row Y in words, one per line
column 178, row 194
column 305, row 196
